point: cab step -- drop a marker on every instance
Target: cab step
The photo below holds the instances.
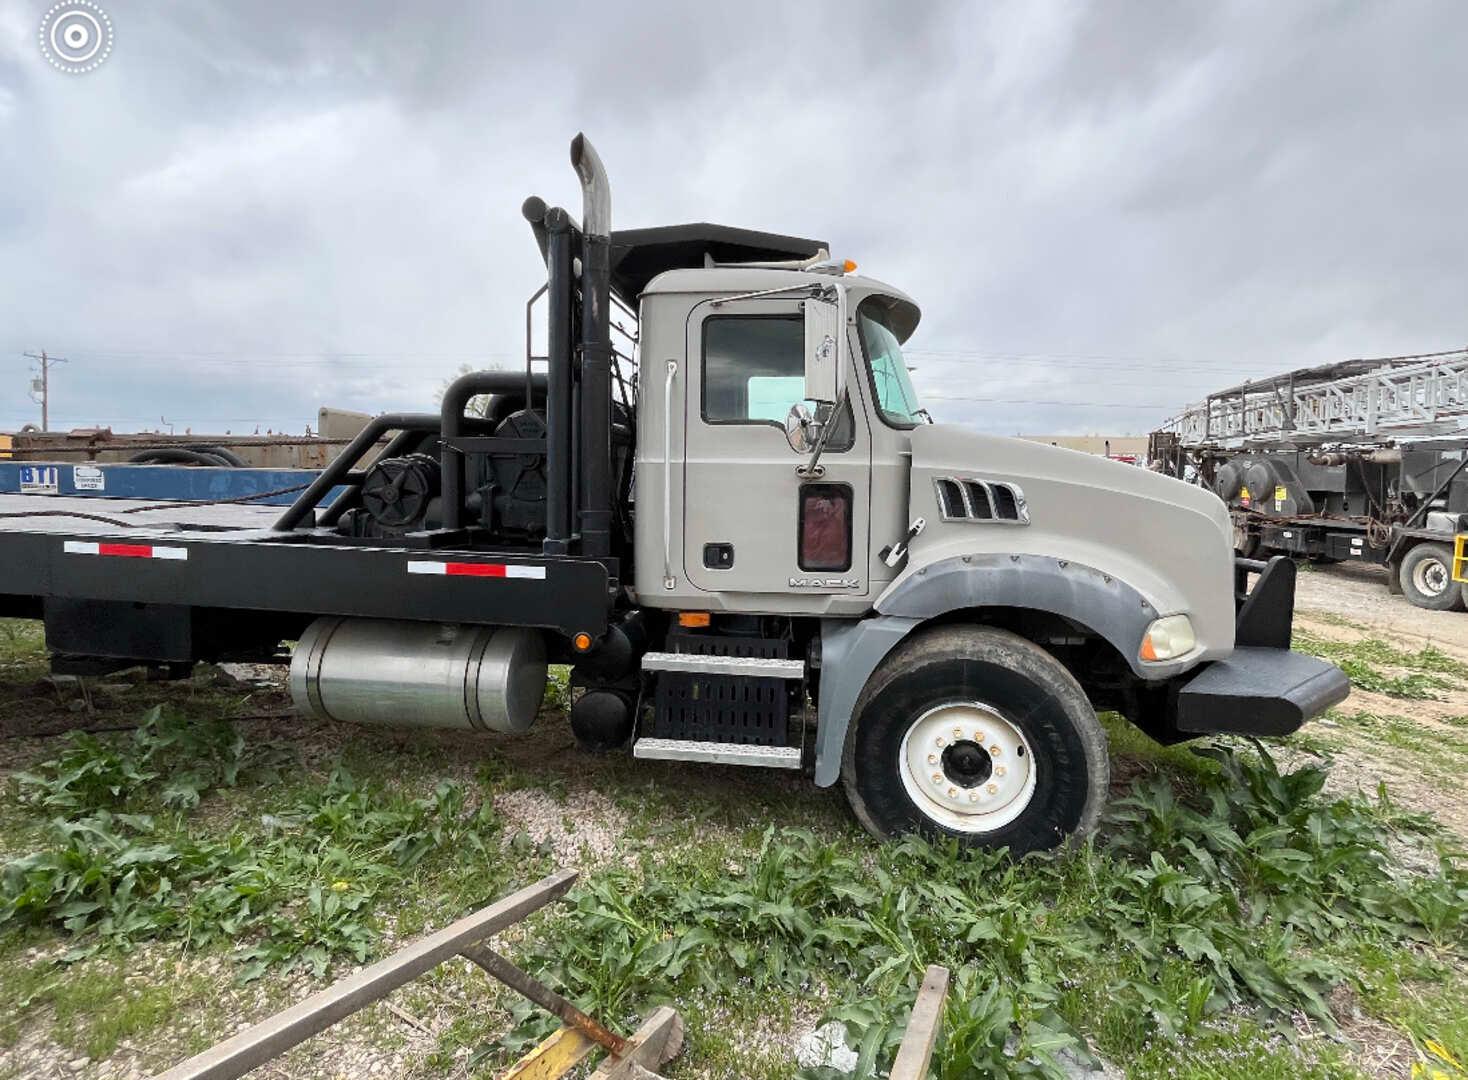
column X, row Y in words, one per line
column 717, row 753
column 756, row 667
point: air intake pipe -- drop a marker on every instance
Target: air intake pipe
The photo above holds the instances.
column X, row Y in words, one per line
column 596, row 350
column 534, row 210
column 452, row 423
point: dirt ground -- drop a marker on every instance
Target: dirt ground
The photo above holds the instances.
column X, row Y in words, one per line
column 1410, row 744
column 1359, row 594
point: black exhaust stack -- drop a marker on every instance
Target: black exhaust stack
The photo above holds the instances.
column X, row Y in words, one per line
column 560, row 240
column 596, row 351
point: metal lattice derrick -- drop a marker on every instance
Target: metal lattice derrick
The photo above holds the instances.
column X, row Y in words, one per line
column 1400, row 397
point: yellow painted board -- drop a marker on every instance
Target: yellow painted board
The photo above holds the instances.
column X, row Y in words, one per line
column 558, row 1054
column 1460, row 557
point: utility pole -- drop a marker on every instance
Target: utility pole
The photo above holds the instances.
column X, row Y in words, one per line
column 45, row 384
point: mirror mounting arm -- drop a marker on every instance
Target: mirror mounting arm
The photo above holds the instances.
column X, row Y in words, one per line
column 813, row 469
column 814, row 291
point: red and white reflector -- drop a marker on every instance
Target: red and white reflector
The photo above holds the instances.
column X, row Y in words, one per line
column 475, row 569
column 125, row 551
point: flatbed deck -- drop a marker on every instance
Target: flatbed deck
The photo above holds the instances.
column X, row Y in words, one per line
column 78, row 514
column 104, row 561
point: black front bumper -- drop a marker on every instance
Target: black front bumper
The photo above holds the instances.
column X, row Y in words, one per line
column 1262, row 688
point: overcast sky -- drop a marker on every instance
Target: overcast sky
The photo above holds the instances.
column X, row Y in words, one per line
column 253, row 209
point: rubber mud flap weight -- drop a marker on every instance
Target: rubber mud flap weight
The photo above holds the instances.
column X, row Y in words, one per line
column 975, row 733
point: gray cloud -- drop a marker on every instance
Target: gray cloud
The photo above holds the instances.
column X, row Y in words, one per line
column 1104, row 210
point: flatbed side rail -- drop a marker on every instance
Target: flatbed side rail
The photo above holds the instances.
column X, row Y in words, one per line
column 407, row 425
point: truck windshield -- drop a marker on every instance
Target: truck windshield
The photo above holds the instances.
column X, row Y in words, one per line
column 896, row 398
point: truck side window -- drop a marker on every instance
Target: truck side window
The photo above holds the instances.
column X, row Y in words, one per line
column 754, row 370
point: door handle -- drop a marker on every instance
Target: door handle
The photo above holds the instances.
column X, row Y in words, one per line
column 669, row 581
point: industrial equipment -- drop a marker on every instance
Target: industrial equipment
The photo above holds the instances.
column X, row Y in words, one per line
column 1361, row 461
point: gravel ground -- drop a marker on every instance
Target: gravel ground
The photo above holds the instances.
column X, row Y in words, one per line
column 1349, row 603
column 1359, row 594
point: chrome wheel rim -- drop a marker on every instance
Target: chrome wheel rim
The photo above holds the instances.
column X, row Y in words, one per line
column 967, row 768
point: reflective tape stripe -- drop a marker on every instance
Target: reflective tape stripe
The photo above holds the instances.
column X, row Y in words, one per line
column 124, row 551
column 463, row 569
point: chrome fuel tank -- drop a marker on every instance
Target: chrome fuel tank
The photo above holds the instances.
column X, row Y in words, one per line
column 413, row 674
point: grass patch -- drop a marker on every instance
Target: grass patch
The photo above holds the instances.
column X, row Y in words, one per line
column 1424, row 672
column 1441, row 754
column 1418, row 994
column 1222, row 898
column 90, row 1015
column 1191, row 912
column 22, row 641
column 1239, row 1049
column 301, row 887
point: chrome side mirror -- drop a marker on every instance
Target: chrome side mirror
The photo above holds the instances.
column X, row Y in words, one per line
column 825, row 330
column 802, row 428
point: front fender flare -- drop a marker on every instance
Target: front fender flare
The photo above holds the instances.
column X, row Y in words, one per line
column 851, row 651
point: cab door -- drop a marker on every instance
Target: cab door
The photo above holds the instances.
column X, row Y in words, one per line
column 752, row 526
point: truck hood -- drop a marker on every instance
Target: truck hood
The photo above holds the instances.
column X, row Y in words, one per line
column 1169, row 540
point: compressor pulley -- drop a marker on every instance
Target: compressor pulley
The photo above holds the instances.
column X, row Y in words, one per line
column 396, row 491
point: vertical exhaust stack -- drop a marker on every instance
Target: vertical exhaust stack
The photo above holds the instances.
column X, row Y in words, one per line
column 560, row 342
column 596, row 350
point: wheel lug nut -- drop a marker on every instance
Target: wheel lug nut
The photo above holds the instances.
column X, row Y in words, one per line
column 953, row 793
column 937, row 778
column 932, row 759
column 939, row 740
column 993, row 789
column 973, row 796
column 999, row 770
column 995, row 751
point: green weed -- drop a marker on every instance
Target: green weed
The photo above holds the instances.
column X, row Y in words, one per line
column 1222, row 897
column 1190, row 910
column 298, row 890
column 1426, row 671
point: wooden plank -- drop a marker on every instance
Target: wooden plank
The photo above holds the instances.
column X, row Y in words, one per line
column 922, row 1027
column 657, row 1041
column 273, row 1036
column 558, row 1054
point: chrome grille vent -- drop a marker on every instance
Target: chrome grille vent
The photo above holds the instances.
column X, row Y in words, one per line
column 998, row 501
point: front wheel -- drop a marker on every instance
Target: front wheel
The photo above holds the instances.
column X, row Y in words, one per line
column 1426, row 577
column 976, row 733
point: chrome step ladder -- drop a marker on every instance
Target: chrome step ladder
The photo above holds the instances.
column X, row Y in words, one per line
column 721, row 753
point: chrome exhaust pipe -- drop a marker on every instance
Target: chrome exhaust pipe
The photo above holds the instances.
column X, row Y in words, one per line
column 595, row 489
column 596, row 192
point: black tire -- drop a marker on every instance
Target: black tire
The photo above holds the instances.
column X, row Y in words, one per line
column 179, row 456
column 1247, row 543
column 1425, row 566
column 950, row 667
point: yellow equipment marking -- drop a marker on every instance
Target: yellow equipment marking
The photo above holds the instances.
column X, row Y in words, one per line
column 558, row 1054
column 1460, row 558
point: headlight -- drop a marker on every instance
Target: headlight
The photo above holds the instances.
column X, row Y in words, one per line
column 1169, row 638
